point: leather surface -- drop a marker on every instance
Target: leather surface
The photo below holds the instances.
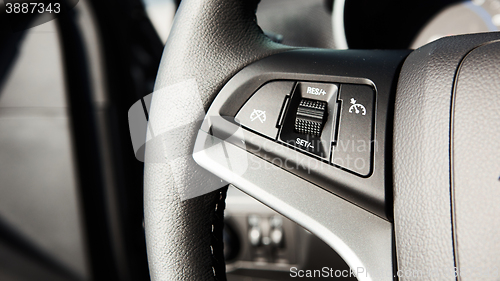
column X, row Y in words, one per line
column 476, row 165
column 422, row 200
column 301, row 23
column 209, row 42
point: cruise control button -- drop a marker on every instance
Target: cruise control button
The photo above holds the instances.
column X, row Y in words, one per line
column 262, row 111
column 311, row 117
column 353, row 149
column 317, row 91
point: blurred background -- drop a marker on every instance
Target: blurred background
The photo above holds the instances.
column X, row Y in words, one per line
column 70, row 186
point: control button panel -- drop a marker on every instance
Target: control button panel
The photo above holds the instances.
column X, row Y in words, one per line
column 353, row 149
column 333, row 122
column 310, row 118
column 262, row 111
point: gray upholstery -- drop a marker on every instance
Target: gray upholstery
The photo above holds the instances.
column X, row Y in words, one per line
column 422, row 200
column 209, row 42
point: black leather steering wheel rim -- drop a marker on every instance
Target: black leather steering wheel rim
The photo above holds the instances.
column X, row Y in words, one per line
column 209, row 42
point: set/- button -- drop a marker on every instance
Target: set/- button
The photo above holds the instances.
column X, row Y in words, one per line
column 310, row 117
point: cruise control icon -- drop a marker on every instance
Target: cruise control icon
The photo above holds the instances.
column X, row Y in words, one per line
column 258, row 115
column 357, row 107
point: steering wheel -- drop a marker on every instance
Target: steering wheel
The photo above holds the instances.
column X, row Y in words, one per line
column 421, row 202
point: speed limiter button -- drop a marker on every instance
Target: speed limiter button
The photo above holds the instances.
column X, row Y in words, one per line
column 262, row 111
column 354, row 147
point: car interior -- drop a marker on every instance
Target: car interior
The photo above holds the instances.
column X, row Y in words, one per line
column 249, row 140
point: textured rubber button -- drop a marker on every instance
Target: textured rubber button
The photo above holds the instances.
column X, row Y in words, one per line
column 310, row 117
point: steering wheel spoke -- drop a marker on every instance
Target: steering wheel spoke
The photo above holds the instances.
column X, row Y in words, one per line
column 308, row 132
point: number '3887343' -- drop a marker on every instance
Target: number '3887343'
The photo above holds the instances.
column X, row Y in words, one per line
column 31, row 8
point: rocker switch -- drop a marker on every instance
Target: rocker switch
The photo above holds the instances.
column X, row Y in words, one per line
column 310, row 117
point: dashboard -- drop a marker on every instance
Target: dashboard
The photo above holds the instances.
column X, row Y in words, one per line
column 461, row 18
column 389, row 24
